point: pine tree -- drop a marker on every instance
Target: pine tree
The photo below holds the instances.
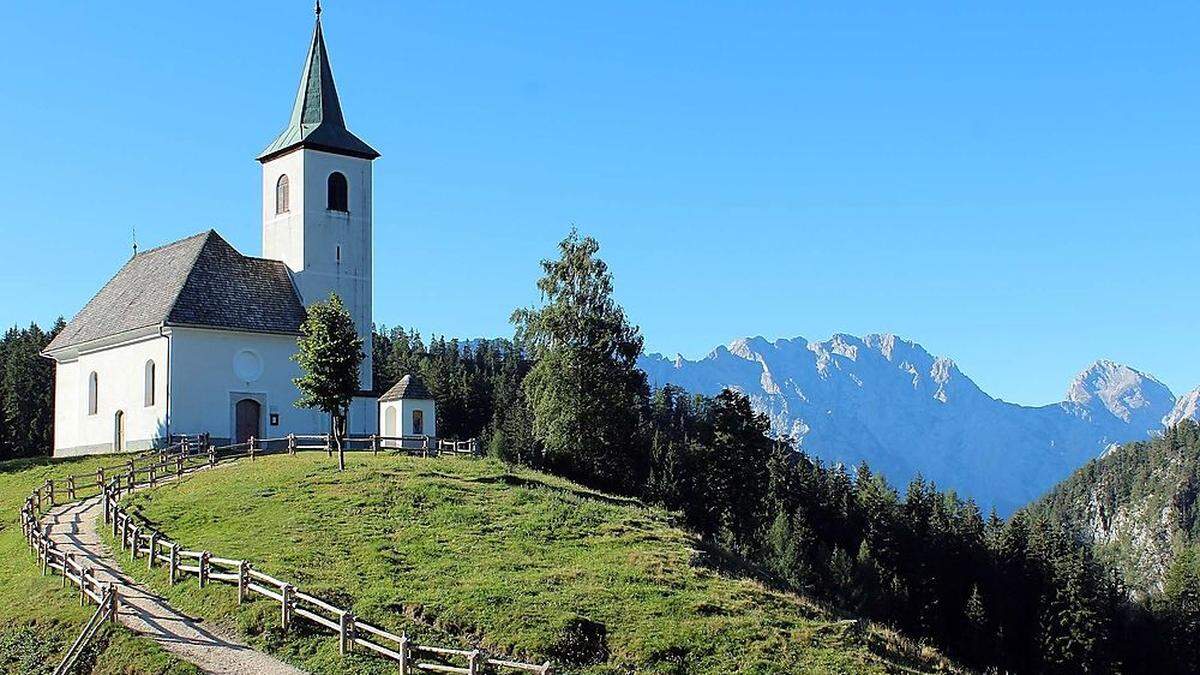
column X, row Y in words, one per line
column 1180, row 608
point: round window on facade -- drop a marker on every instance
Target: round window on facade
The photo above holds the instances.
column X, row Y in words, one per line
column 247, row 365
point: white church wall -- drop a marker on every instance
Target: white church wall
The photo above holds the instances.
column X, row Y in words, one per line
column 213, row 370
column 283, row 233
column 121, row 386
column 68, row 409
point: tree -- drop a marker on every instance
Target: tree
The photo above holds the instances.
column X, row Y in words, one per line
column 1180, row 607
column 330, row 354
column 26, row 392
column 585, row 390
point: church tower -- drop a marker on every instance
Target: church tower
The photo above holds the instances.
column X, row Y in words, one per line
column 316, row 187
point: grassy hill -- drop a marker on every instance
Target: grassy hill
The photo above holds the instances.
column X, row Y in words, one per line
column 465, row 551
column 38, row 619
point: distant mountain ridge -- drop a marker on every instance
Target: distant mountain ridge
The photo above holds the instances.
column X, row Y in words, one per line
column 888, row 401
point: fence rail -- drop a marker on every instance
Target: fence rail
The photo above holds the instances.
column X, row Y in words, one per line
column 141, row 540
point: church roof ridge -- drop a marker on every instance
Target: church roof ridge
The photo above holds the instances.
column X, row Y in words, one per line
column 177, row 242
column 317, row 121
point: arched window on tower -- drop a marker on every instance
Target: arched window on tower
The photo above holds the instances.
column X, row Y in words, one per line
column 149, row 398
column 93, row 393
column 339, row 198
column 281, row 195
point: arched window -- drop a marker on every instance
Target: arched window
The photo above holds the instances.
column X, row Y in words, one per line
column 339, row 198
column 149, row 384
column 93, row 394
column 281, row 195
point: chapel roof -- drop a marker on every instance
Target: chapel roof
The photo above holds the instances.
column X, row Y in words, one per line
column 200, row 281
column 316, row 120
column 409, row 387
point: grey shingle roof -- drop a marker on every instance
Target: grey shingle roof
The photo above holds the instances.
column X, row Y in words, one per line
column 198, row 281
column 317, row 120
column 409, row 387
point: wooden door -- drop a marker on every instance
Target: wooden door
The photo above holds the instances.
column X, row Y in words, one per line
column 248, row 420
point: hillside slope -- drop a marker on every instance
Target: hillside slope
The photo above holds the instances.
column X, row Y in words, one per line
column 888, row 401
column 1137, row 503
column 38, row 618
column 471, row 552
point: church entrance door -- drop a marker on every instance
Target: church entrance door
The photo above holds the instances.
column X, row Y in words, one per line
column 247, row 418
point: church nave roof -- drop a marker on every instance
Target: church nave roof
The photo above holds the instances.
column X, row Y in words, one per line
column 199, row 281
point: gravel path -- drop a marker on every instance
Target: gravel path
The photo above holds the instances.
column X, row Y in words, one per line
column 73, row 527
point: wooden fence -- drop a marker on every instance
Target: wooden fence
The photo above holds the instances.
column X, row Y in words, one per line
column 425, row 446
column 141, row 540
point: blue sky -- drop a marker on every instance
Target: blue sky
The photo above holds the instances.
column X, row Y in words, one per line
column 1015, row 186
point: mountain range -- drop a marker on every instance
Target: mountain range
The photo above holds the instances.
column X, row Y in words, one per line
column 888, row 401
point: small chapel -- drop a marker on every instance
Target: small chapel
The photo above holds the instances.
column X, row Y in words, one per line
column 196, row 337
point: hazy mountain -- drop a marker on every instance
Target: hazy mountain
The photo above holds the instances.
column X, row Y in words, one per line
column 904, row 410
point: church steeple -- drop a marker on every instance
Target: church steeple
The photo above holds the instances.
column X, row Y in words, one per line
column 317, row 120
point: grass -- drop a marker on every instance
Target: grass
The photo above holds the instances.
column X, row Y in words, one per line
column 470, row 552
column 38, row 618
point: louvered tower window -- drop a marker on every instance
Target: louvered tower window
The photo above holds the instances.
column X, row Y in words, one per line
column 281, row 195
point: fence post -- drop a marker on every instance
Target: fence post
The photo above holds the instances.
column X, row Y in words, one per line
column 68, row 558
column 131, row 477
column 45, row 555
column 243, row 579
column 115, row 603
column 473, row 662
column 153, row 477
column 328, row 445
column 125, row 532
column 285, row 614
column 179, row 466
column 115, row 524
column 204, row 567
column 404, row 654
column 547, row 669
column 153, row 549
column 345, row 630
column 84, row 572
column 71, row 488
column 291, row 444
column 100, row 476
column 212, row 455
column 50, row 489
column 173, row 564
column 133, row 544
column 251, row 448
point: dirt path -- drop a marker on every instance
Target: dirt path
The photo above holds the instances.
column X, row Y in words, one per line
column 73, row 527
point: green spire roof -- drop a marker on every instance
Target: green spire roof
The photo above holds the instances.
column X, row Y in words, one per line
column 317, row 121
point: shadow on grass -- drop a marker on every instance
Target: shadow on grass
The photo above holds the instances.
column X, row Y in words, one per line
column 514, row 480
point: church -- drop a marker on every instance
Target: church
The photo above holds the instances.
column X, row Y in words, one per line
column 195, row 337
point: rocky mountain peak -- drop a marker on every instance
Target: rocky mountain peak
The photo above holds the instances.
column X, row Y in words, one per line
column 1129, row 395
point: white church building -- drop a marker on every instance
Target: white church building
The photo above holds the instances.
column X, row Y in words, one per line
column 195, row 337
